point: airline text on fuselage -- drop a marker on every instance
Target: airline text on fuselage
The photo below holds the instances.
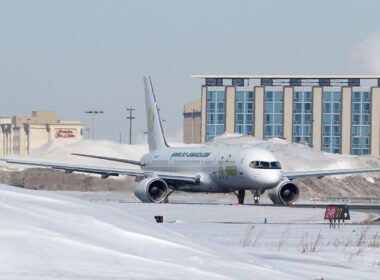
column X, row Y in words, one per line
column 191, row 154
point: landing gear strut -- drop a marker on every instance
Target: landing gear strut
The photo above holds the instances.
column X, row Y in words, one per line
column 240, row 196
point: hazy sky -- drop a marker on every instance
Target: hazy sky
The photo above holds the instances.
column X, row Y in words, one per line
column 72, row 56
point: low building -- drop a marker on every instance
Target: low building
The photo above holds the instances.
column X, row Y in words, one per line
column 192, row 122
column 331, row 113
column 20, row 135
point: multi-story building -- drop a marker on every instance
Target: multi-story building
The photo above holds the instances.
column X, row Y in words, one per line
column 331, row 113
column 21, row 135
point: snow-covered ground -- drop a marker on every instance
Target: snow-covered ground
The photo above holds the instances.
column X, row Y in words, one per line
column 48, row 236
column 58, row 235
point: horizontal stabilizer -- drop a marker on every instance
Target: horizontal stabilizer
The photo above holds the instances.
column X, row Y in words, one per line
column 134, row 162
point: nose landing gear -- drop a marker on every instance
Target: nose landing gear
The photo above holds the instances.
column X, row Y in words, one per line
column 256, row 195
column 256, row 198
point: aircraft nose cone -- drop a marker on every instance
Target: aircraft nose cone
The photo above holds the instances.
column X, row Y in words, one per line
column 272, row 178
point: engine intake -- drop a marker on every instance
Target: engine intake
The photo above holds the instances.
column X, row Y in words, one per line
column 286, row 192
column 152, row 189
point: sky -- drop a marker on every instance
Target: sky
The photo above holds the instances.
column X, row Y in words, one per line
column 71, row 56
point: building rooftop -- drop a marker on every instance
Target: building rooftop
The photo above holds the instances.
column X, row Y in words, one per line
column 330, row 80
column 284, row 76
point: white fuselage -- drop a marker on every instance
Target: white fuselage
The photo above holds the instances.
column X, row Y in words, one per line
column 222, row 169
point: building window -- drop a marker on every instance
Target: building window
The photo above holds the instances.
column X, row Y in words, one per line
column 361, row 123
column 302, row 116
column 331, row 121
column 244, row 106
column 273, row 114
column 216, row 102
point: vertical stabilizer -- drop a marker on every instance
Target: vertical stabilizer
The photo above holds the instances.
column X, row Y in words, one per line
column 156, row 138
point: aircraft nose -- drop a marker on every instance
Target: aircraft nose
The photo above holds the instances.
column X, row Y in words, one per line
column 271, row 178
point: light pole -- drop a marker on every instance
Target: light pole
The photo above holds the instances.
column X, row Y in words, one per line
column 93, row 112
column 130, row 118
column 87, row 132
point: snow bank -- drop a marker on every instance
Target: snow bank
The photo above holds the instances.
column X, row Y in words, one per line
column 47, row 236
column 61, row 149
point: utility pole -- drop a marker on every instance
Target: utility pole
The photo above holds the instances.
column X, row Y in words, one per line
column 130, row 118
column 93, row 112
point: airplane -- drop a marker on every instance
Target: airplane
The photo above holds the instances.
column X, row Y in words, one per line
column 207, row 169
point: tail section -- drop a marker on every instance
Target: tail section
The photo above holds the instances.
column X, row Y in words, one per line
column 156, row 138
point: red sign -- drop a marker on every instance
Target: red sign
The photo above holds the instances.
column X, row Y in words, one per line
column 65, row 133
column 330, row 213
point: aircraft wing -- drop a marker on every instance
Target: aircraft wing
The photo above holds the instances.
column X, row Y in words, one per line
column 106, row 172
column 323, row 173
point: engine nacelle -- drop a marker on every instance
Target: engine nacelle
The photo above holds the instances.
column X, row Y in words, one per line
column 286, row 192
column 152, row 189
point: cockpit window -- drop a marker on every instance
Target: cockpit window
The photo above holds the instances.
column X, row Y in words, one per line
column 265, row 165
column 275, row 165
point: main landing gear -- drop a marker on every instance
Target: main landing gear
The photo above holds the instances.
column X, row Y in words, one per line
column 240, row 194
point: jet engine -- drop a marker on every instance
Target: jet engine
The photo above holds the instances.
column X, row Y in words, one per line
column 152, row 189
column 286, row 192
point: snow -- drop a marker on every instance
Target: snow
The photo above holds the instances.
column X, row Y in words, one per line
column 55, row 235
column 48, row 236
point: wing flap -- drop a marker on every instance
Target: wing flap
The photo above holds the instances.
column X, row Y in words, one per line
column 323, row 173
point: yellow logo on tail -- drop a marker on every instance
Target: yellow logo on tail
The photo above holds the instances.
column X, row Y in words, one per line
column 150, row 119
